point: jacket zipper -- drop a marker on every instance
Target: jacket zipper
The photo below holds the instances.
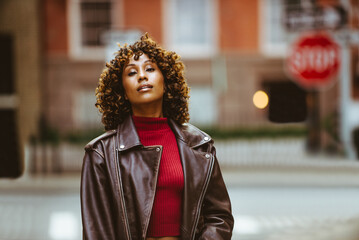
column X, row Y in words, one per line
column 122, row 200
column 204, row 189
column 153, row 198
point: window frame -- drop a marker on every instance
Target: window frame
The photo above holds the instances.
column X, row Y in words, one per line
column 191, row 51
column 77, row 50
column 268, row 47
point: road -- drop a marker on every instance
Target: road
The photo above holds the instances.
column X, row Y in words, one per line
column 295, row 213
column 272, row 213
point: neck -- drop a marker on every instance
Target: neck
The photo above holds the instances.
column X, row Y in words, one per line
column 147, row 111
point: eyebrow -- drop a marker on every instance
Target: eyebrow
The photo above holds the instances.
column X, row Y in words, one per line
column 131, row 64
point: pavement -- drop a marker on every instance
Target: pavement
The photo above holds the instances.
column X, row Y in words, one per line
column 307, row 174
column 265, row 205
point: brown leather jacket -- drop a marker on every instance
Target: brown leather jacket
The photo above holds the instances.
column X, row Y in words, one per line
column 118, row 185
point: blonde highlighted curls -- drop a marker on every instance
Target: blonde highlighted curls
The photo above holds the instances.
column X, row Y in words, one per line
column 110, row 93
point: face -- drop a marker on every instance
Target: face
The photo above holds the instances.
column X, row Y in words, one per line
column 143, row 82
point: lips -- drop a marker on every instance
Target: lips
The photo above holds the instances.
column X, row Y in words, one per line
column 144, row 87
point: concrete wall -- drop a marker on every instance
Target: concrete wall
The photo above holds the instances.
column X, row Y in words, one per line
column 20, row 18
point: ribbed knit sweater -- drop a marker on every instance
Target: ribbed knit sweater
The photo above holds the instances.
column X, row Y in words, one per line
column 167, row 207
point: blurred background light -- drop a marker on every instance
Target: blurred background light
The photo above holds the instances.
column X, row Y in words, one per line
column 260, row 99
column 63, row 225
column 246, row 225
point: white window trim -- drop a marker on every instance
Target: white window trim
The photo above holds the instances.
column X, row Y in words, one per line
column 194, row 51
column 76, row 50
column 268, row 48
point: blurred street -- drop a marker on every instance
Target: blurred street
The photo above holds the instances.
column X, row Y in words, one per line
column 39, row 214
column 48, row 210
column 305, row 198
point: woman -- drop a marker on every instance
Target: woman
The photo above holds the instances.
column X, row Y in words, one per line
column 151, row 175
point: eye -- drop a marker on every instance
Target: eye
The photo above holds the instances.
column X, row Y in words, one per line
column 131, row 73
column 150, row 69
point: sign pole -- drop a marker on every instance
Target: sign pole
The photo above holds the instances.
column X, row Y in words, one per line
column 345, row 103
column 313, row 122
column 313, row 63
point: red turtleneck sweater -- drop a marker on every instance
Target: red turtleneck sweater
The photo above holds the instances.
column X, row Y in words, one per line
column 167, row 207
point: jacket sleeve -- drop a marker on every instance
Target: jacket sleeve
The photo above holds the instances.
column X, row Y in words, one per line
column 216, row 209
column 96, row 198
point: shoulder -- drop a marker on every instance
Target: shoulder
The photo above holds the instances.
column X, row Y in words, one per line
column 193, row 130
column 92, row 144
column 194, row 136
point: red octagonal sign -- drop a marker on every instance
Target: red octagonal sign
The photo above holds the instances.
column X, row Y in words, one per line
column 314, row 60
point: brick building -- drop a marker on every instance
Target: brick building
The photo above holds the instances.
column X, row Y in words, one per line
column 220, row 42
column 231, row 50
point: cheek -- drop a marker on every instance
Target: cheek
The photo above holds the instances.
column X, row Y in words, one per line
column 126, row 85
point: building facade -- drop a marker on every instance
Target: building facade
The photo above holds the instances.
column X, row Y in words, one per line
column 231, row 50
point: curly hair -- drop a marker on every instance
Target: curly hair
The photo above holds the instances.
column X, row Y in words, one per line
column 110, row 93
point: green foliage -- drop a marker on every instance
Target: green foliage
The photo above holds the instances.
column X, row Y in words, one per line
column 49, row 135
column 82, row 137
column 252, row 133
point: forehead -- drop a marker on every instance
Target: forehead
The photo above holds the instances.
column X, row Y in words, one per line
column 142, row 58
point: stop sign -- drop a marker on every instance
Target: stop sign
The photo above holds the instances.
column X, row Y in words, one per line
column 314, row 60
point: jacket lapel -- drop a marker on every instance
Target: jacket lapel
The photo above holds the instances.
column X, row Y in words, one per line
column 196, row 167
column 139, row 167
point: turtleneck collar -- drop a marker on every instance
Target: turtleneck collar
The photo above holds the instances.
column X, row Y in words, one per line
column 150, row 123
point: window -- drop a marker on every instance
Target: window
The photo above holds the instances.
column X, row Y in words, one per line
column 273, row 35
column 190, row 27
column 95, row 20
column 287, row 102
column 88, row 21
column 203, row 106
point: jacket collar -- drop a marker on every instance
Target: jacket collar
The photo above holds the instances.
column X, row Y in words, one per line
column 189, row 134
column 128, row 138
column 127, row 135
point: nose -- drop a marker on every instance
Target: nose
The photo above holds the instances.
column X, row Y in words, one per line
column 142, row 75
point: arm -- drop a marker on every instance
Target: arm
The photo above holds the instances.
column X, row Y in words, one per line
column 216, row 210
column 96, row 198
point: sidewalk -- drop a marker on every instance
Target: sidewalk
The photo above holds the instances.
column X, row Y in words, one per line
column 307, row 173
column 44, row 183
column 262, row 162
column 283, row 162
